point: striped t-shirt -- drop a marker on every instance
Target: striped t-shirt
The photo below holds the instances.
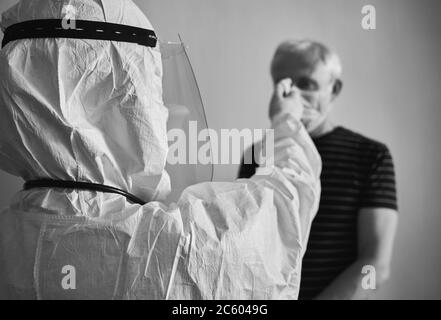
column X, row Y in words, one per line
column 357, row 173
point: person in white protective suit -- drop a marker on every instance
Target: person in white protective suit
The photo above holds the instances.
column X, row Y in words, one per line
column 92, row 111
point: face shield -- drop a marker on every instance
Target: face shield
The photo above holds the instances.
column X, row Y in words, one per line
column 189, row 161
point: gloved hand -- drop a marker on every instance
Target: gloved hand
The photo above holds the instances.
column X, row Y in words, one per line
column 286, row 99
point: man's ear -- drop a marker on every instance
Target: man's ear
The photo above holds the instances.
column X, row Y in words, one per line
column 336, row 89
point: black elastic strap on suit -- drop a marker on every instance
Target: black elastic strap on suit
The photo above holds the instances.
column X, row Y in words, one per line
column 53, row 28
column 47, row 183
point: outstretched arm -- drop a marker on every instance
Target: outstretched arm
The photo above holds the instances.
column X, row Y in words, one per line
column 246, row 239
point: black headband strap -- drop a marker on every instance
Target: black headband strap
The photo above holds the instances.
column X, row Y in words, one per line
column 53, row 28
column 47, row 183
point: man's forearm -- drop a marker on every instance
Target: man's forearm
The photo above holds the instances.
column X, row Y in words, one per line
column 348, row 285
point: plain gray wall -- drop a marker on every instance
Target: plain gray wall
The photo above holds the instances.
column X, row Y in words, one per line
column 392, row 93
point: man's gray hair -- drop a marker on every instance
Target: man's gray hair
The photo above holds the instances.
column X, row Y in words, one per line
column 308, row 53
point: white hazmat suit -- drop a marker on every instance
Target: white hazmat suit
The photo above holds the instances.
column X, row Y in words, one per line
column 92, row 110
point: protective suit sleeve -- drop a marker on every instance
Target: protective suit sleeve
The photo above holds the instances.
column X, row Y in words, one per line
column 246, row 239
column 296, row 173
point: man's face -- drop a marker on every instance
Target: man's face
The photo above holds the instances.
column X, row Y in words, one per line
column 317, row 86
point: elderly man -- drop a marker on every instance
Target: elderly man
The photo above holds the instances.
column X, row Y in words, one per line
column 351, row 239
